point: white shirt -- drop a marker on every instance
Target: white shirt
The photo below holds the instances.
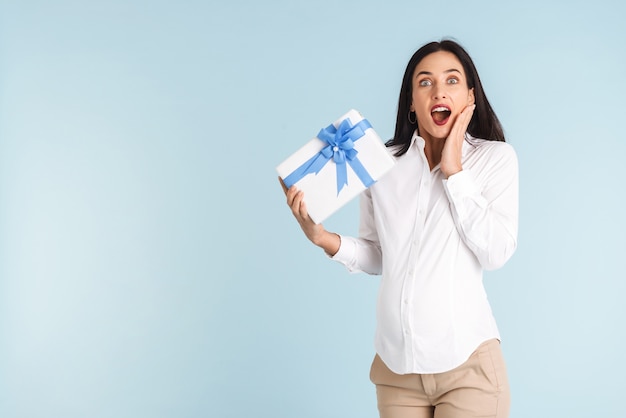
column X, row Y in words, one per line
column 431, row 238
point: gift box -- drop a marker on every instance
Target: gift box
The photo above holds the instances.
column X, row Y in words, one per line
column 343, row 160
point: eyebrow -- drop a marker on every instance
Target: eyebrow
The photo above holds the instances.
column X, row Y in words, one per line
column 451, row 70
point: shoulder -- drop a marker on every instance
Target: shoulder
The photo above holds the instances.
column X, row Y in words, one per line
column 491, row 149
column 394, row 149
column 489, row 158
column 399, row 151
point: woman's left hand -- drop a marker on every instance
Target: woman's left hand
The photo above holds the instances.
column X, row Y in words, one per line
column 451, row 154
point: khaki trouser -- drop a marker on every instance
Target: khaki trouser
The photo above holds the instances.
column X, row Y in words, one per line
column 477, row 388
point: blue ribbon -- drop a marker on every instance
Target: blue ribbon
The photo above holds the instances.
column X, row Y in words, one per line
column 341, row 149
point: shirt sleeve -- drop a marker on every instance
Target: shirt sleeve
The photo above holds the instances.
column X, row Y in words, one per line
column 485, row 211
column 362, row 254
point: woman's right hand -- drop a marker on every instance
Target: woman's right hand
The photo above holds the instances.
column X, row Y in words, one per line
column 316, row 233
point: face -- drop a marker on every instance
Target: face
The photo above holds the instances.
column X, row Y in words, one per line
column 440, row 93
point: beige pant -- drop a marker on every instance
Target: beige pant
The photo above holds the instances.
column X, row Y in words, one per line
column 477, row 388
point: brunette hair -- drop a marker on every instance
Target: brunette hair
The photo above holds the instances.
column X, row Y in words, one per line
column 484, row 123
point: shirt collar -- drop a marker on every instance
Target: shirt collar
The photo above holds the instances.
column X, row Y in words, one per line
column 419, row 142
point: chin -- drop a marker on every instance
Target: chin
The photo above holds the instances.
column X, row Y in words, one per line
column 441, row 133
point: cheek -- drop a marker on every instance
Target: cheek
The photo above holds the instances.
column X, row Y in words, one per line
column 422, row 116
column 417, row 98
column 414, row 103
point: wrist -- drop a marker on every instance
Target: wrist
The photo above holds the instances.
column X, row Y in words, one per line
column 450, row 171
column 328, row 241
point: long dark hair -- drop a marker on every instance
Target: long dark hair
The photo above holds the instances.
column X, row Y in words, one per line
column 484, row 123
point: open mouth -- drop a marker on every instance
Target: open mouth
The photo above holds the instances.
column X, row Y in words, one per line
column 440, row 114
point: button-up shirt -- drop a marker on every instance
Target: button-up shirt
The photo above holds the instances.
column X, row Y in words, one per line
column 431, row 238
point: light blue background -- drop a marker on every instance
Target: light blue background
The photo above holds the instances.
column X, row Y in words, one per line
column 149, row 266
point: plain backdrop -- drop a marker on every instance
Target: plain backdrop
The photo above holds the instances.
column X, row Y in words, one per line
column 149, row 266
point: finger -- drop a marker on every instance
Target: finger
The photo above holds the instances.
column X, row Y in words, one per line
column 296, row 203
column 304, row 213
column 462, row 121
column 282, row 184
column 467, row 114
column 291, row 195
column 469, row 108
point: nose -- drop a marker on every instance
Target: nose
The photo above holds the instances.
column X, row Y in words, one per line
column 439, row 92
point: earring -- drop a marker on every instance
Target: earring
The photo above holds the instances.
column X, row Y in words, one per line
column 412, row 122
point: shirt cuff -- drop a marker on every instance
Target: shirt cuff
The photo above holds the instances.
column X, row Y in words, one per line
column 462, row 185
column 346, row 252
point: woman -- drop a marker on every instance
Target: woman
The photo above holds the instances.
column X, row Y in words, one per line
column 443, row 214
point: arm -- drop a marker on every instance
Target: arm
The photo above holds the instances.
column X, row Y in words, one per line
column 362, row 254
column 357, row 254
column 486, row 213
column 328, row 241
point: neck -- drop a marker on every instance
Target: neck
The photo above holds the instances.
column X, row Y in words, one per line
column 432, row 149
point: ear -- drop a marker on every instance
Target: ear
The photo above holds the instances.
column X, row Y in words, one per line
column 470, row 97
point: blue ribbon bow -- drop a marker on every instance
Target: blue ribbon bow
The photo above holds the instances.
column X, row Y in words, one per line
column 341, row 149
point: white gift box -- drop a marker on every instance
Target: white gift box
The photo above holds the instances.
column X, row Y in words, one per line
column 322, row 193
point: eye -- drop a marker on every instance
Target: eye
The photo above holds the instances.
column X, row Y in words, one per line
column 453, row 80
column 425, row 83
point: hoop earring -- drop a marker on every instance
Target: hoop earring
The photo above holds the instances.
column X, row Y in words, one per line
column 412, row 122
